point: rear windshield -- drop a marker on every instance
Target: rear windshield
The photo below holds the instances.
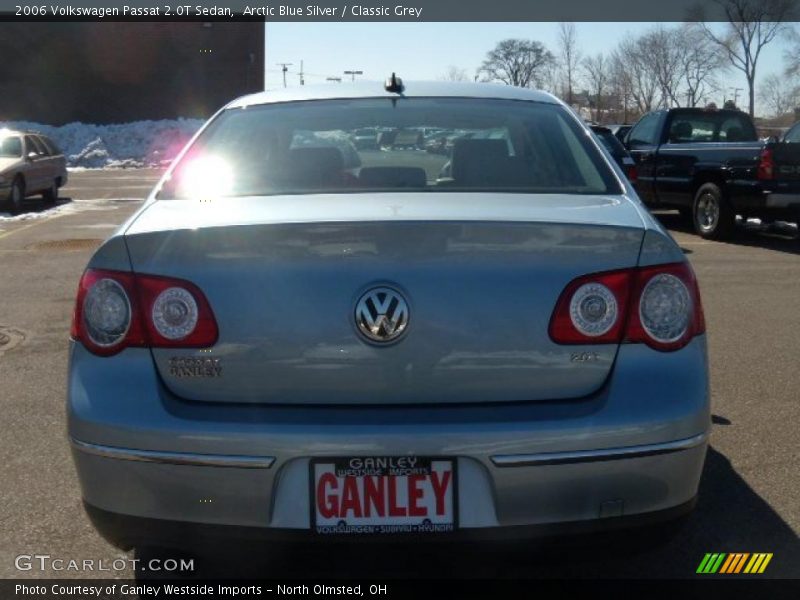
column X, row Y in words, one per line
column 420, row 144
column 10, row 147
column 711, row 127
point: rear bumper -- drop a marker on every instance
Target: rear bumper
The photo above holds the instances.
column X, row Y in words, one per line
column 126, row 532
column 778, row 200
column 637, row 446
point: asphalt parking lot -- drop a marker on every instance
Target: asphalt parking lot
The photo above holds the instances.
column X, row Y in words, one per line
column 749, row 492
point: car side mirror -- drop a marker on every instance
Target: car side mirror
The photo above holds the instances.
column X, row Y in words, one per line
column 32, row 156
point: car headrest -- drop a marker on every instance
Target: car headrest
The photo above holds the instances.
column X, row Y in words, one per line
column 682, row 130
column 308, row 167
column 735, row 134
column 472, row 157
column 392, row 177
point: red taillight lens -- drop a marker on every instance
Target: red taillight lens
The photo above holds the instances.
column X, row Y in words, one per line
column 766, row 164
column 177, row 314
column 116, row 309
column 666, row 313
column 585, row 314
column 659, row 306
column 633, row 174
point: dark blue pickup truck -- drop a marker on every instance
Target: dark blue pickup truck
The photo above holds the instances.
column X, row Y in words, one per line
column 711, row 166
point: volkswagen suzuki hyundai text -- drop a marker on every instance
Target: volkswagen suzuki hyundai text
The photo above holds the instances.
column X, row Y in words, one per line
column 304, row 335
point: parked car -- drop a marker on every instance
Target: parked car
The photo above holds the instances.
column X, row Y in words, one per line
column 617, row 150
column 711, row 166
column 30, row 164
column 365, row 139
column 517, row 349
column 620, row 131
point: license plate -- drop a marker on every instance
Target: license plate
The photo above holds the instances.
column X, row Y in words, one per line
column 383, row 495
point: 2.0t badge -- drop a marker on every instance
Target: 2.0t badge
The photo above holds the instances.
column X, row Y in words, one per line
column 382, row 314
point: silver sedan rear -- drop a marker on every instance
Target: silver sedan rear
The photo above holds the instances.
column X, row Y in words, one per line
column 295, row 339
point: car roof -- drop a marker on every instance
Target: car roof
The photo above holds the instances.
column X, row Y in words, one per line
column 10, row 132
column 412, row 89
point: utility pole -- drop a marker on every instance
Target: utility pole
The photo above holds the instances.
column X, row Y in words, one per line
column 302, row 81
column 284, row 68
column 736, row 95
column 353, row 74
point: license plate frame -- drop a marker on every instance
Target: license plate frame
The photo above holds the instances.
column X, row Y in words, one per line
column 387, row 528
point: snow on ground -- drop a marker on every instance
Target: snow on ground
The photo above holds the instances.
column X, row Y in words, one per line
column 126, row 145
column 64, row 208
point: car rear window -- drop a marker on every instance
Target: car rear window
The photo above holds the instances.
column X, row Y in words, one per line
column 711, row 127
column 51, row 147
column 421, row 144
column 10, row 147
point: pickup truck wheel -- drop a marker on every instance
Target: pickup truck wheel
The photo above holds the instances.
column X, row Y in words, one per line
column 713, row 216
column 51, row 195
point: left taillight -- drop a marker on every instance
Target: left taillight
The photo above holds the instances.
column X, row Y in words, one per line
column 115, row 310
column 766, row 165
column 629, row 166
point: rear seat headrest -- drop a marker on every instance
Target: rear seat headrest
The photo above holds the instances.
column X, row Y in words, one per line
column 392, row 177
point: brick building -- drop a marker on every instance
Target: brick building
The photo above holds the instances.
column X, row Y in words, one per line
column 98, row 72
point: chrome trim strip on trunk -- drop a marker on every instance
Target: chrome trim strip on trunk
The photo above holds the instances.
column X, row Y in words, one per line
column 581, row 456
column 175, row 458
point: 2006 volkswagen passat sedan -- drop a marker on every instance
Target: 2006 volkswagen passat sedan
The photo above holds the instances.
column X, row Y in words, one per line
column 298, row 335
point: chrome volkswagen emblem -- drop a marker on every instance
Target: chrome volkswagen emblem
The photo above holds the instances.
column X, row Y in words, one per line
column 382, row 314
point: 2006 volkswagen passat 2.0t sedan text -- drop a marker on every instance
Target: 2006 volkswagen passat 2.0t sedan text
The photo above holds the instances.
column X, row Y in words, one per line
column 472, row 326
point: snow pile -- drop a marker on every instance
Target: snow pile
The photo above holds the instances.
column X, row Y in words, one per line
column 137, row 144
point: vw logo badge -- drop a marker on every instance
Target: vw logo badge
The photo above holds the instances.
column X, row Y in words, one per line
column 381, row 314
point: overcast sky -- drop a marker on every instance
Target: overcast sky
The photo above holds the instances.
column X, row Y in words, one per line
column 425, row 50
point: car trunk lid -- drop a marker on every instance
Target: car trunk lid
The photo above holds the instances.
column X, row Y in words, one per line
column 480, row 273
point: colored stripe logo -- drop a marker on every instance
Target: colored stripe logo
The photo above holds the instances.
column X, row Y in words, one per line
column 734, row 563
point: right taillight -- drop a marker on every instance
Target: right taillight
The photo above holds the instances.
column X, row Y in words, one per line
column 659, row 306
column 116, row 309
column 666, row 312
column 766, row 164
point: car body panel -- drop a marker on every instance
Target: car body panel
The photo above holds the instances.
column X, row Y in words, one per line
column 650, row 398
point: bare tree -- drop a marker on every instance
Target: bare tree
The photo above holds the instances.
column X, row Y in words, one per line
column 662, row 50
column 569, row 56
column 701, row 60
column 596, row 69
column 454, row 73
column 792, row 56
column 780, row 94
column 641, row 80
column 517, row 62
column 750, row 25
column 620, row 84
